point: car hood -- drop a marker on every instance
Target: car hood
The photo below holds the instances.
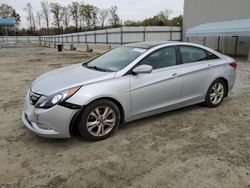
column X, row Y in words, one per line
column 67, row 77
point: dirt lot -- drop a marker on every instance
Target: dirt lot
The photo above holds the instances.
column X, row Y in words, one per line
column 190, row 147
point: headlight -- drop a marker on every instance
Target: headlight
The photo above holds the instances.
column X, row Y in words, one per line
column 57, row 98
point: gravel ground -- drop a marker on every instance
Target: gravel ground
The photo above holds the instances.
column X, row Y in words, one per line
column 190, row 147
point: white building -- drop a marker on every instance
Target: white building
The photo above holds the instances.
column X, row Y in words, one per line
column 197, row 12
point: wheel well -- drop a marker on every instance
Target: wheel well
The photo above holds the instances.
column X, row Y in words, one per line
column 74, row 120
column 226, row 82
column 122, row 113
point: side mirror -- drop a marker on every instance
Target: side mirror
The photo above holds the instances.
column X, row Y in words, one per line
column 142, row 69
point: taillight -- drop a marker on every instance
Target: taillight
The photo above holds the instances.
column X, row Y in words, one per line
column 234, row 65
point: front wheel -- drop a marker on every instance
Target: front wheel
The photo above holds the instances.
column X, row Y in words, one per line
column 99, row 120
column 216, row 93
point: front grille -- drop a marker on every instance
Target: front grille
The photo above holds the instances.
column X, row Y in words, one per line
column 33, row 97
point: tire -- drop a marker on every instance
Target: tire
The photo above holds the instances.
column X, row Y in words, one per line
column 99, row 120
column 216, row 93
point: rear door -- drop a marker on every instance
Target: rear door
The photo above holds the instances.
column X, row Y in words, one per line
column 160, row 88
column 197, row 72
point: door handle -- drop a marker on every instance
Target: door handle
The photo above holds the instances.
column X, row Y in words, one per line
column 209, row 65
column 175, row 75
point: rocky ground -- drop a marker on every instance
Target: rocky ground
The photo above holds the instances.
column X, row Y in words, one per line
column 190, row 147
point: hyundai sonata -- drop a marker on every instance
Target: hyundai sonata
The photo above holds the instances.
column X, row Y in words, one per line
column 127, row 83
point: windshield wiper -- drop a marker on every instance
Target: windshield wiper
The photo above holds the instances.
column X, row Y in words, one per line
column 95, row 68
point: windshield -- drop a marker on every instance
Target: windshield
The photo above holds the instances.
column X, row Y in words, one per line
column 115, row 59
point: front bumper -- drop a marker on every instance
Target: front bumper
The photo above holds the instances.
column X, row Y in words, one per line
column 51, row 123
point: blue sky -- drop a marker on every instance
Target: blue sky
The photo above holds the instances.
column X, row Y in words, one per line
column 128, row 9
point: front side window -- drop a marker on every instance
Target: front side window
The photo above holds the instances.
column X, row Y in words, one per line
column 116, row 59
column 161, row 58
column 191, row 54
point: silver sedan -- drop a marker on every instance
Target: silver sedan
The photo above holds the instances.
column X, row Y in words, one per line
column 127, row 83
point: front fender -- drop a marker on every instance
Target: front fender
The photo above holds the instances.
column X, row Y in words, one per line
column 117, row 89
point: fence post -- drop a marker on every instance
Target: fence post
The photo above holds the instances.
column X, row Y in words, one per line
column 72, row 40
column 171, row 33
column 62, row 42
column 107, row 37
column 218, row 44
column 181, row 34
column 121, row 36
column 94, row 37
column 236, row 45
column 86, row 38
column 204, row 41
column 78, row 38
column 39, row 40
column 144, row 33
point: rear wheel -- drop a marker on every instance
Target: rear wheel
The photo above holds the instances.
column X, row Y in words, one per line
column 216, row 93
column 99, row 120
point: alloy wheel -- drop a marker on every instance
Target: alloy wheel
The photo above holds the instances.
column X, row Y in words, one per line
column 217, row 93
column 101, row 121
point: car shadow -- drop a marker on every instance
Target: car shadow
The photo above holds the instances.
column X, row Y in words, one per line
column 157, row 117
column 76, row 138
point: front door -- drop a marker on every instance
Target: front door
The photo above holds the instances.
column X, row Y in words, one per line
column 160, row 88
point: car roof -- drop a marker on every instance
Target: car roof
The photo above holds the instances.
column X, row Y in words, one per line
column 148, row 44
column 151, row 47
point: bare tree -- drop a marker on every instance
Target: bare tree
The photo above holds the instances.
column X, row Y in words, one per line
column 86, row 12
column 39, row 19
column 95, row 11
column 82, row 14
column 45, row 12
column 56, row 10
column 66, row 16
column 103, row 15
column 30, row 16
column 7, row 11
column 167, row 13
column 114, row 18
column 33, row 21
column 74, row 9
column 164, row 16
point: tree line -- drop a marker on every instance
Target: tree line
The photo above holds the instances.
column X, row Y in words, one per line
column 76, row 17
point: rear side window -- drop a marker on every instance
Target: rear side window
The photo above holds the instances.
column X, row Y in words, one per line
column 212, row 56
column 191, row 54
